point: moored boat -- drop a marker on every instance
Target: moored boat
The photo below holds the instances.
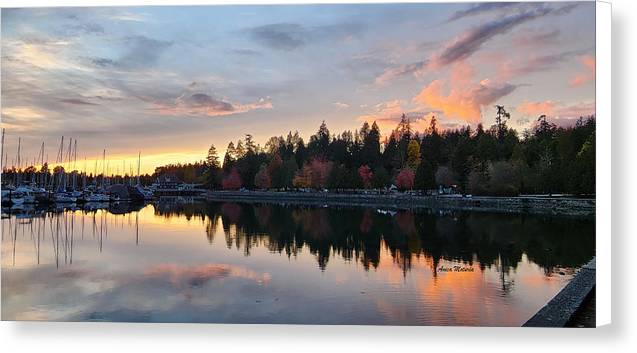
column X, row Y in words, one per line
column 63, row 197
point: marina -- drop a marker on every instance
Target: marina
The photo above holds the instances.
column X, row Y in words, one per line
column 37, row 184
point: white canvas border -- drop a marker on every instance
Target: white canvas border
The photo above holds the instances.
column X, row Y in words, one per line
column 603, row 110
column 603, row 232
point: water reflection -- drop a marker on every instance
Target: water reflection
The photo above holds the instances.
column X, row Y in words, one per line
column 357, row 234
column 280, row 264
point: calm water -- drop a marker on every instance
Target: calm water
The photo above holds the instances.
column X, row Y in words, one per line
column 241, row 263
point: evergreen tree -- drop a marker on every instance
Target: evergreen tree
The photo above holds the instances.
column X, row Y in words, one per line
column 212, row 176
column 230, row 157
column 425, row 176
column 370, row 153
column 380, row 178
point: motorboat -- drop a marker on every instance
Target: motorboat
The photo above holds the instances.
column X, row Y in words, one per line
column 96, row 197
column 16, row 199
column 27, row 194
column 63, row 197
column 146, row 193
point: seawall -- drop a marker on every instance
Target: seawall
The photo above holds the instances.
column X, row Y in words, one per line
column 573, row 207
column 559, row 311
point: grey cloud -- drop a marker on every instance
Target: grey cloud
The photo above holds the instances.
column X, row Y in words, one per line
column 281, row 36
column 245, row 52
column 567, row 8
column 76, row 101
column 473, row 39
column 103, row 62
column 289, row 36
column 508, row 7
column 540, row 63
column 538, row 38
column 365, row 68
column 140, row 52
column 201, row 104
column 487, row 7
column 490, row 94
column 201, row 100
column 400, row 71
column 81, row 28
column 143, row 51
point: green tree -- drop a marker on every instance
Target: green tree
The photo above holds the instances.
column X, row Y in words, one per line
column 230, row 157
column 425, row 176
column 212, row 173
column 380, row 178
column 370, row 153
column 391, row 155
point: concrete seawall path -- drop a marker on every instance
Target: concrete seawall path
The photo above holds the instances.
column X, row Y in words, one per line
column 558, row 206
column 565, row 306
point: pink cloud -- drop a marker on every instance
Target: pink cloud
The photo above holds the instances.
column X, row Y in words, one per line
column 559, row 113
column 465, row 98
column 454, row 101
column 589, row 72
column 534, row 109
column 388, row 114
column 180, row 275
column 524, row 66
column 416, row 69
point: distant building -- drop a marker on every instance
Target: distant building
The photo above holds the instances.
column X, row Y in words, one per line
column 168, row 181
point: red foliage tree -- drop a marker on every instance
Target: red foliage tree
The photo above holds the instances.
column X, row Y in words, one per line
column 405, row 179
column 232, row 181
column 320, row 173
column 365, row 173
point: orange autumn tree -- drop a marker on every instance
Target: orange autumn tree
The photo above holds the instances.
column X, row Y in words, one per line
column 262, row 179
column 314, row 174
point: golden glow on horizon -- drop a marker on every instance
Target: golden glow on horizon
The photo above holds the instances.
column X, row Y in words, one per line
column 121, row 164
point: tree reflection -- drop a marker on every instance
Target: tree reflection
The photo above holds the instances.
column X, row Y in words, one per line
column 358, row 234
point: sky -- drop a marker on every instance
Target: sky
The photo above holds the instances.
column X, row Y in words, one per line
column 170, row 81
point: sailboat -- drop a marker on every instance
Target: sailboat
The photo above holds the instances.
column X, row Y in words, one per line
column 146, row 193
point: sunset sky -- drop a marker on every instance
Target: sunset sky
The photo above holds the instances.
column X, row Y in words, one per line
column 169, row 81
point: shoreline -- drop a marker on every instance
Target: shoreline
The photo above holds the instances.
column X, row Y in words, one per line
column 539, row 205
column 563, row 309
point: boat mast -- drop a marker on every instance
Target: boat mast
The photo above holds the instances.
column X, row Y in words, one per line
column 95, row 173
column 2, row 151
column 103, row 166
column 67, row 182
column 59, row 159
column 139, row 162
column 84, row 175
column 74, row 163
column 42, row 171
column 17, row 175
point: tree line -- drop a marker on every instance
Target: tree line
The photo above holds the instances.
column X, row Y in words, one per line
column 545, row 159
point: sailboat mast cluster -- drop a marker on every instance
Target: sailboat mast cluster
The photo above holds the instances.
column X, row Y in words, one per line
column 33, row 181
